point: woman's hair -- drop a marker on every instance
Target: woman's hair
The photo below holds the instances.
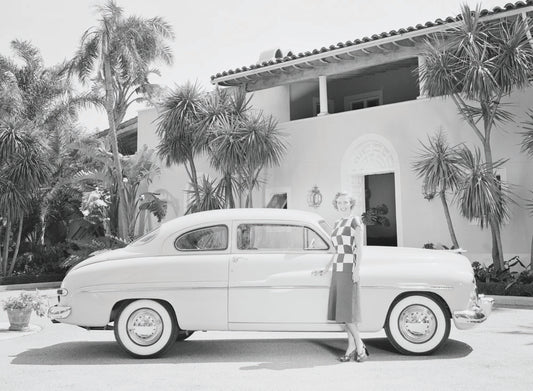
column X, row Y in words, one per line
column 343, row 194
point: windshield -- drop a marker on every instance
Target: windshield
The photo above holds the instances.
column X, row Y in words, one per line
column 146, row 238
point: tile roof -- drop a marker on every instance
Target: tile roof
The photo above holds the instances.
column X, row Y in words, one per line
column 375, row 37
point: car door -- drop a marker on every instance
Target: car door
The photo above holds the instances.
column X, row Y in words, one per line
column 271, row 285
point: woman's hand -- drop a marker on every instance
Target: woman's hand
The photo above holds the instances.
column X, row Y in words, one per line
column 355, row 277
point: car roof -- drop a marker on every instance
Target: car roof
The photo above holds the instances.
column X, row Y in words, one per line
column 222, row 215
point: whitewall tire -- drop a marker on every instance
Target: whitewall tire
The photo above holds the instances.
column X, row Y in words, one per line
column 417, row 324
column 145, row 328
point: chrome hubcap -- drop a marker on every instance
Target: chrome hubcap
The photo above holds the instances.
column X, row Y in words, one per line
column 145, row 327
column 417, row 323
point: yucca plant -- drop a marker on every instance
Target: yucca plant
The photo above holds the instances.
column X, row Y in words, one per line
column 481, row 196
column 477, row 64
column 208, row 197
column 437, row 164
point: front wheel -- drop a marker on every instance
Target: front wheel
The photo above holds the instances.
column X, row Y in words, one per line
column 184, row 334
column 145, row 328
column 417, row 325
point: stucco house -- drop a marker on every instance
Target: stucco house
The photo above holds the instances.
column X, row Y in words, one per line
column 353, row 115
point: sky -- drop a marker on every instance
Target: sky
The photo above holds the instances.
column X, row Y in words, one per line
column 217, row 35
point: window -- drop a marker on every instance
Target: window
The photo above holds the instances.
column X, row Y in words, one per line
column 278, row 237
column 203, row 239
column 313, row 241
column 363, row 101
column 278, row 201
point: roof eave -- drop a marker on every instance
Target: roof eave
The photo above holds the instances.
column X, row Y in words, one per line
column 239, row 78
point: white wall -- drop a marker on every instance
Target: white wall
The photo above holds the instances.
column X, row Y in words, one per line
column 317, row 146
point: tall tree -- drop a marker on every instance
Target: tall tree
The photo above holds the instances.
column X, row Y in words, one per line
column 477, row 64
column 181, row 129
column 117, row 56
column 527, row 146
column 437, row 165
column 36, row 103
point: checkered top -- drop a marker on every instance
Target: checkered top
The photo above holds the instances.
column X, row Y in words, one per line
column 343, row 238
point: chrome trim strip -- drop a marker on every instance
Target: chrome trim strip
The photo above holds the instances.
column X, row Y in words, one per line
column 147, row 289
column 279, row 286
column 410, row 287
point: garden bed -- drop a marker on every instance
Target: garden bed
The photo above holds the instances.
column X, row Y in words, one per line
column 498, row 288
column 28, row 279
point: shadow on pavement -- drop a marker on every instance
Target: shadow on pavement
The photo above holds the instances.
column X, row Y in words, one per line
column 276, row 354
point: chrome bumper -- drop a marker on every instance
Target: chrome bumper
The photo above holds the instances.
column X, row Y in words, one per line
column 478, row 312
column 59, row 312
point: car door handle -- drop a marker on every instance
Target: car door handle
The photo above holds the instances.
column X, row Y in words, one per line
column 237, row 259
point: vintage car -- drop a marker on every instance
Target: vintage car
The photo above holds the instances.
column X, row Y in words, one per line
column 252, row 269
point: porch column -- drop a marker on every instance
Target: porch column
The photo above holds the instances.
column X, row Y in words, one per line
column 421, row 84
column 323, row 91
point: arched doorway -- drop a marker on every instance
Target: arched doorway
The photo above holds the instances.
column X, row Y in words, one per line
column 370, row 171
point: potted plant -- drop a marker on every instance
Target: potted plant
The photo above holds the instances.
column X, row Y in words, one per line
column 19, row 309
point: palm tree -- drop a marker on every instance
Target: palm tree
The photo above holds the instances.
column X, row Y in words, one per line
column 37, row 103
column 263, row 147
column 23, row 170
column 477, row 64
column 480, row 196
column 181, row 129
column 437, row 165
column 118, row 54
column 527, row 146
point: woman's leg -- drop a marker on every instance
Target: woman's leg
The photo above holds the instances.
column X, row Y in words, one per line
column 351, row 340
column 351, row 328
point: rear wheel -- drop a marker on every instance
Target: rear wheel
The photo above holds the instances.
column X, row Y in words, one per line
column 145, row 328
column 417, row 325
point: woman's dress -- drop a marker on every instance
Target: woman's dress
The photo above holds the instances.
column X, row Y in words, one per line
column 344, row 298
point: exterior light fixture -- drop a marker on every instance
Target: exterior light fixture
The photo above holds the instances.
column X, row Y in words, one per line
column 314, row 197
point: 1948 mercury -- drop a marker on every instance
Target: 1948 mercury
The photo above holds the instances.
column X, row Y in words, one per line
column 251, row 269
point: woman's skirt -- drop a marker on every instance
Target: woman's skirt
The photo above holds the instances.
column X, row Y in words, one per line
column 344, row 297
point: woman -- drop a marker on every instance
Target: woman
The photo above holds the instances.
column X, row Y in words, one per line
column 344, row 300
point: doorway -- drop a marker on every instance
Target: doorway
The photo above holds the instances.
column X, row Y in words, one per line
column 380, row 210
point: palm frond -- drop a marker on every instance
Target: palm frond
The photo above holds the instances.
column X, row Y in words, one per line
column 480, row 194
column 437, row 164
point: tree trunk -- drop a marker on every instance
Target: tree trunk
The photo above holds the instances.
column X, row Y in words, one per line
column 497, row 248
column 2, row 257
column 7, row 237
column 109, row 106
column 530, row 255
column 194, row 177
column 448, row 219
column 42, row 219
column 230, row 202
column 17, row 247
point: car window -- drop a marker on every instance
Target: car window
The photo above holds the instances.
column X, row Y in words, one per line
column 203, row 239
column 325, row 226
column 313, row 241
column 270, row 237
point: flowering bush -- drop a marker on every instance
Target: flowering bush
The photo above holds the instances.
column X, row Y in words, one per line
column 27, row 300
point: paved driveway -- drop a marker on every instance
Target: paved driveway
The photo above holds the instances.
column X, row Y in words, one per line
column 498, row 355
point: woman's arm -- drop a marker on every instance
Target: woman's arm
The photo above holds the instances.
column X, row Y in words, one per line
column 358, row 244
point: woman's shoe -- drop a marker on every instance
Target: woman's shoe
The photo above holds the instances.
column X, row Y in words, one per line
column 348, row 357
column 363, row 356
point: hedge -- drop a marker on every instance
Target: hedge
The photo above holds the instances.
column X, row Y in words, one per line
column 29, row 279
column 498, row 288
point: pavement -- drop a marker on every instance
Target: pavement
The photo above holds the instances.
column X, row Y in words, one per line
column 497, row 355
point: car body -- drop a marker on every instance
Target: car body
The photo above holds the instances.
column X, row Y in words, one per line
column 252, row 269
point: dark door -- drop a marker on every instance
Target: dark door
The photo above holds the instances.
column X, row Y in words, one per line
column 380, row 215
